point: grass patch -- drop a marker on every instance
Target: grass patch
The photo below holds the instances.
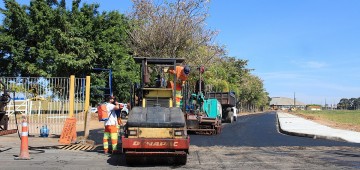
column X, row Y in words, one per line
column 351, row 117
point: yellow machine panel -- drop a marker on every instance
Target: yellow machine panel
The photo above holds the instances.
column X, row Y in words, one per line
column 158, row 95
column 156, row 132
column 145, row 103
column 158, row 92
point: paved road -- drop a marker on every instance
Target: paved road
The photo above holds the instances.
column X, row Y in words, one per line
column 259, row 130
column 253, row 142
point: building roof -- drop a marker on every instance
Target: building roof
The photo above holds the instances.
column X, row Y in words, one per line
column 283, row 101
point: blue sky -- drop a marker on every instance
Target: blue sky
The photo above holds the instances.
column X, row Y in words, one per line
column 307, row 47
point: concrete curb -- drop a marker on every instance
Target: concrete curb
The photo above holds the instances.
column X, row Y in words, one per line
column 292, row 133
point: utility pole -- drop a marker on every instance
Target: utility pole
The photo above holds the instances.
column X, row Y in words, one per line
column 325, row 104
column 294, row 101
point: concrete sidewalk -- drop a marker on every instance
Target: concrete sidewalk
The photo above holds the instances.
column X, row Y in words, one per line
column 294, row 125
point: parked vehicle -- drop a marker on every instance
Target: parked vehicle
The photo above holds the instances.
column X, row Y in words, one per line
column 124, row 110
column 228, row 102
column 235, row 111
column 93, row 110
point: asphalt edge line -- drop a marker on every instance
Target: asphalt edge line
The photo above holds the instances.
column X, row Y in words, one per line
column 307, row 135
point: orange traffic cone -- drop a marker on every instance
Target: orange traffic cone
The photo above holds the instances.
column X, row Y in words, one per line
column 24, row 149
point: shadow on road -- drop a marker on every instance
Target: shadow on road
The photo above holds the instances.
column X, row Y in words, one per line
column 116, row 160
column 96, row 135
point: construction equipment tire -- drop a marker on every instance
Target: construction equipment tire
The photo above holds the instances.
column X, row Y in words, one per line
column 181, row 160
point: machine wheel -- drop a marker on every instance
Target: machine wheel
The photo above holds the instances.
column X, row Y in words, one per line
column 130, row 160
column 181, row 160
column 218, row 130
column 230, row 117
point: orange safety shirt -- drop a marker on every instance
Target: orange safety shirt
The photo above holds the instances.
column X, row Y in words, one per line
column 180, row 75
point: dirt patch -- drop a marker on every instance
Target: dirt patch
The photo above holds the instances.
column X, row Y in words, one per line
column 95, row 123
column 328, row 122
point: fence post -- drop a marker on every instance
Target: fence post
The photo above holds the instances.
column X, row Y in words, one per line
column 86, row 124
column 87, row 94
column 71, row 96
column 87, row 108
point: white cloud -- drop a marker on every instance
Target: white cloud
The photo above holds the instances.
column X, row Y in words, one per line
column 282, row 76
column 310, row 64
column 315, row 64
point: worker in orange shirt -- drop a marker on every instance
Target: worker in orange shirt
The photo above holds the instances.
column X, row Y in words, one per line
column 182, row 73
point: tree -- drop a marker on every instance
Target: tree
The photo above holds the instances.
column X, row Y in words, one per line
column 230, row 74
column 253, row 94
column 344, row 104
column 46, row 39
column 357, row 104
column 13, row 31
column 229, row 69
column 173, row 29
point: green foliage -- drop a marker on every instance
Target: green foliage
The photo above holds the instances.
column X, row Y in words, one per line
column 46, row 39
column 313, row 105
column 124, row 77
column 15, row 87
column 253, row 92
column 349, row 104
column 230, row 74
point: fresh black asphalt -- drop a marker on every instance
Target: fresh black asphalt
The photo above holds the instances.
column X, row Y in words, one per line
column 258, row 130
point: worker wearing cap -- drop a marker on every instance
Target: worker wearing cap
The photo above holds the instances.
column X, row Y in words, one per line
column 111, row 125
column 182, row 73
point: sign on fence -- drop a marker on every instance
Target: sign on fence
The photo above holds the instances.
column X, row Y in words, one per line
column 68, row 133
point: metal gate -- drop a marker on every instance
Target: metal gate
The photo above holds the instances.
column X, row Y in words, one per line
column 45, row 101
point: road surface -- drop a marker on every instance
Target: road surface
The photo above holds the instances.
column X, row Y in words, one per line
column 253, row 142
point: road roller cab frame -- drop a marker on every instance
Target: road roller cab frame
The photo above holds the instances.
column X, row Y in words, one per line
column 155, row 129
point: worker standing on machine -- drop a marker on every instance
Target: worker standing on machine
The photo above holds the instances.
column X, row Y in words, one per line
column 182, row 73
column 111, row 125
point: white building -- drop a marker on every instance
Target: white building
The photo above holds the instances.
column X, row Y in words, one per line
column 283, row 103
